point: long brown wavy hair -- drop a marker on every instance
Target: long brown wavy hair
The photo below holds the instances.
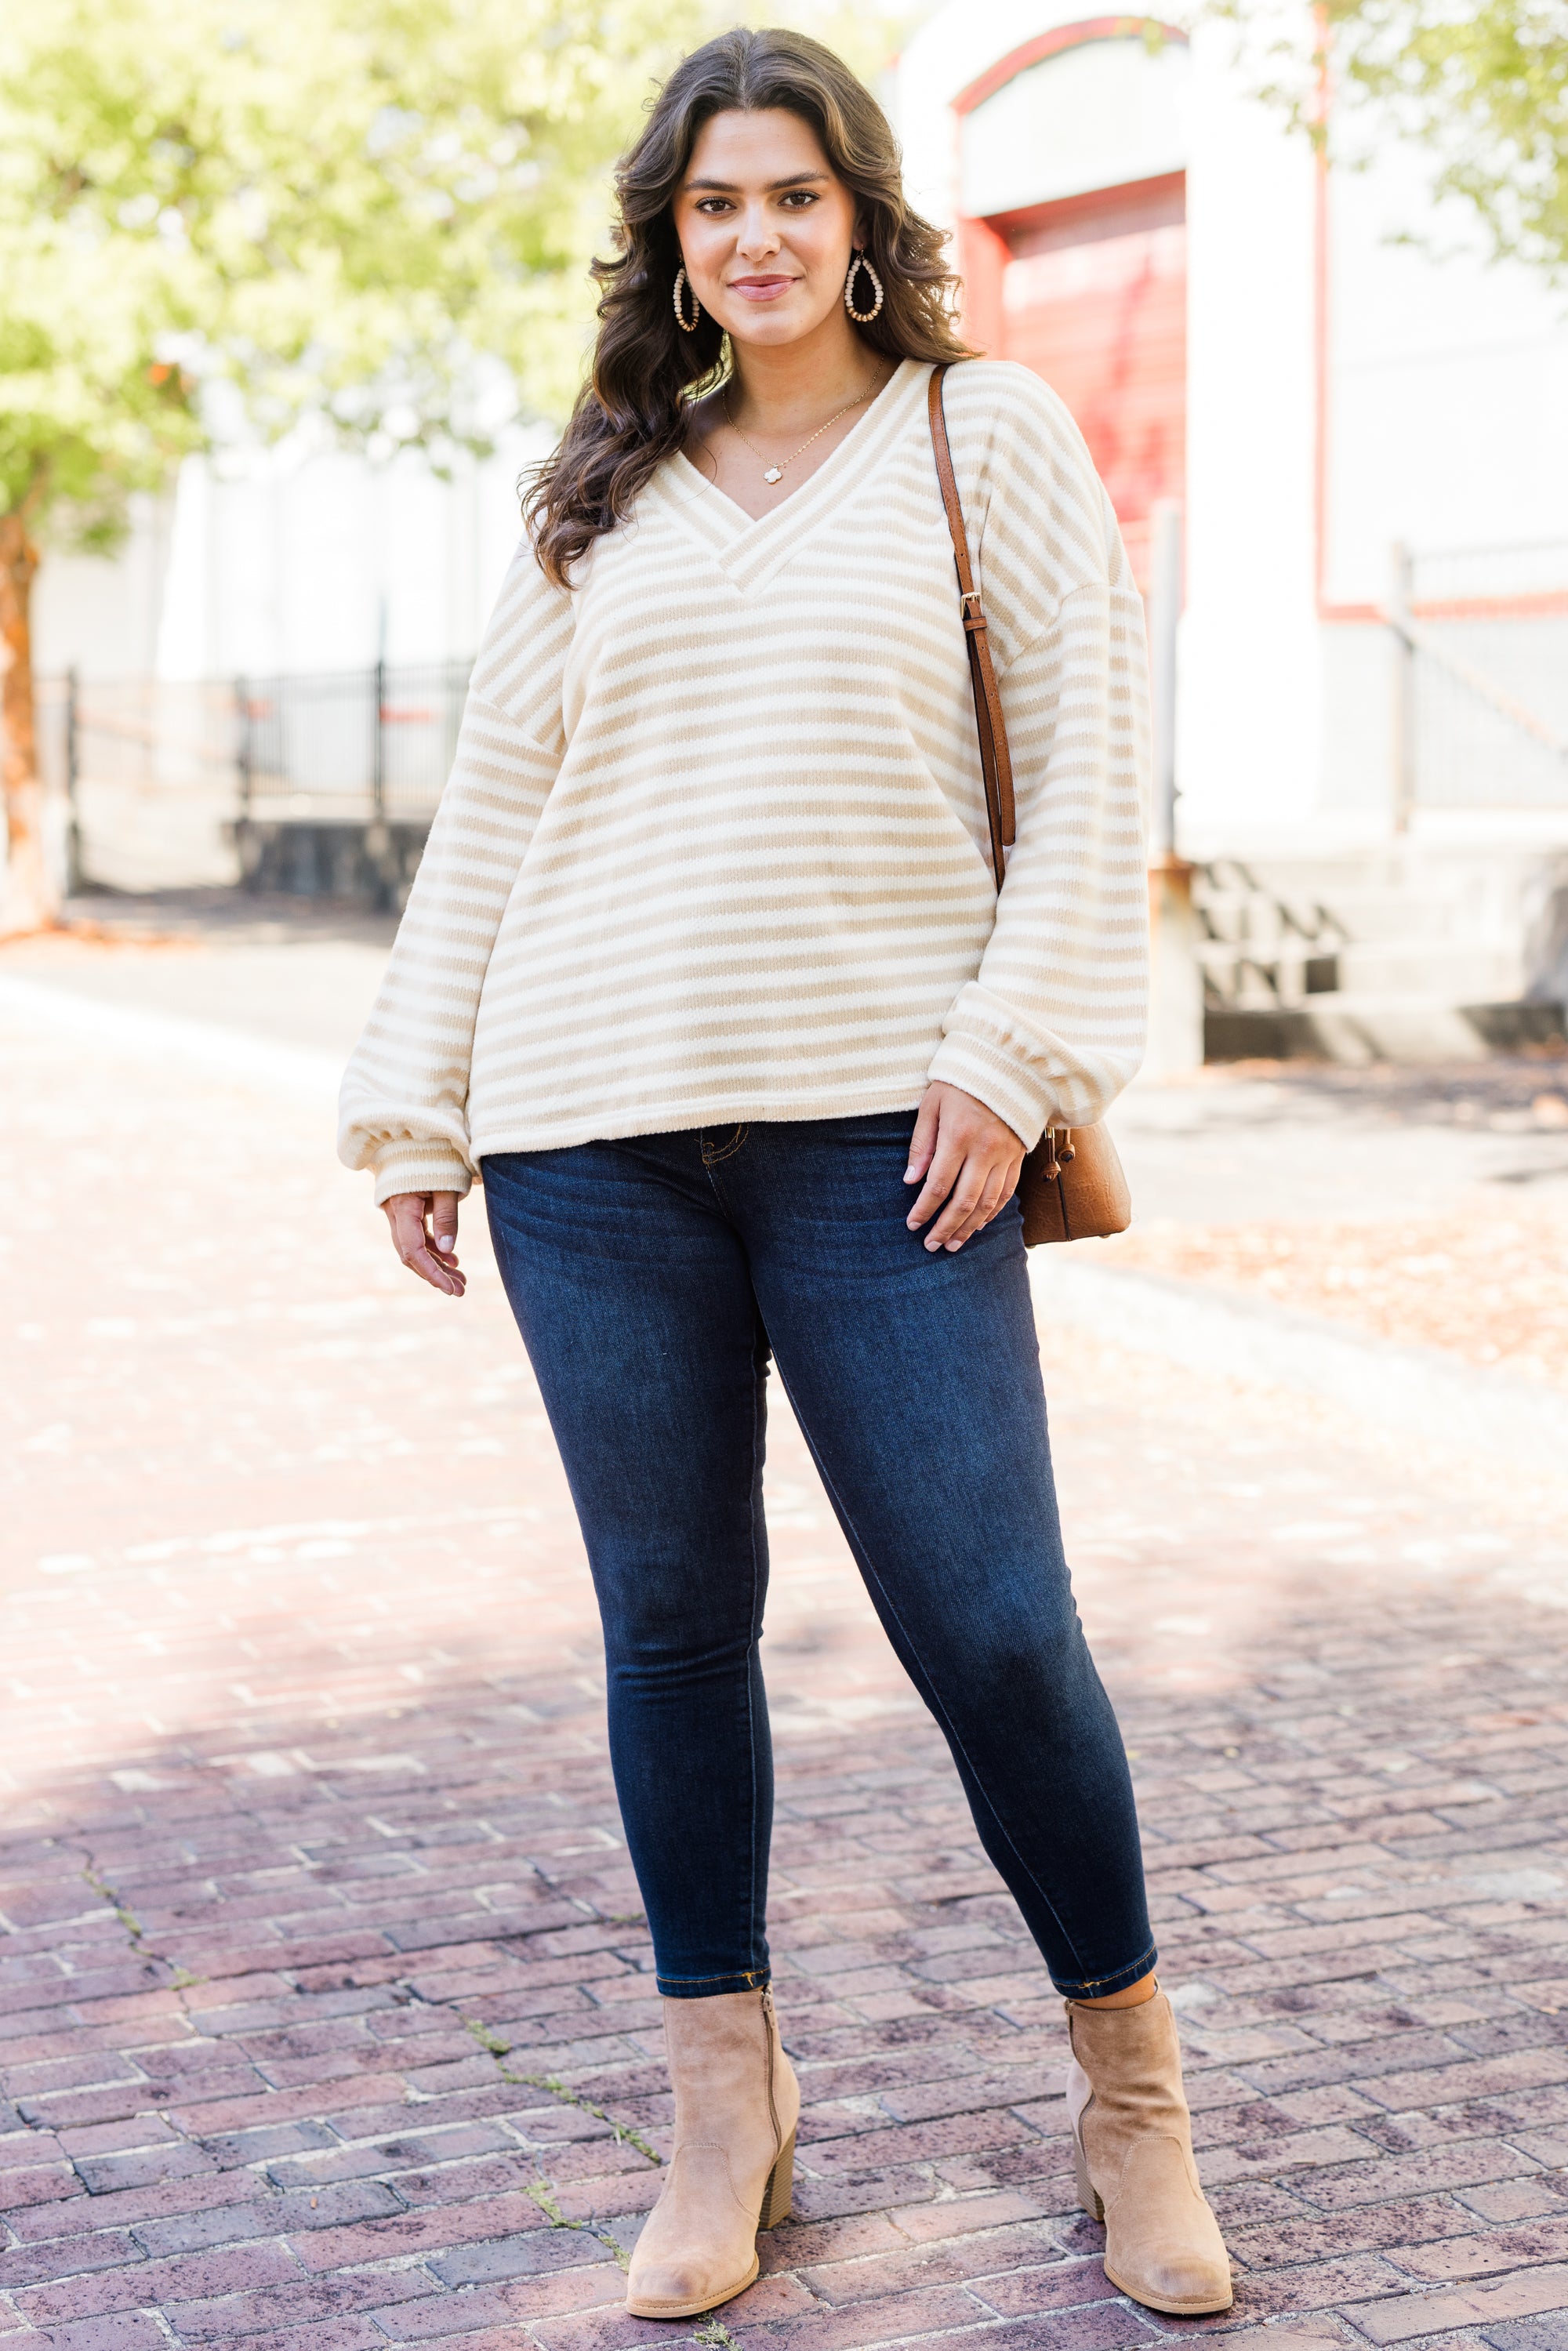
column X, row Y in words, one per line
column 632, row 414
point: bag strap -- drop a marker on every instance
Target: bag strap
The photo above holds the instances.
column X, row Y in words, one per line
column 991, row 726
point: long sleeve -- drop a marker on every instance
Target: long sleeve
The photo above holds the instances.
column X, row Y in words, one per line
column 1053, row 1024
column 714, row 847
column 403, row 1109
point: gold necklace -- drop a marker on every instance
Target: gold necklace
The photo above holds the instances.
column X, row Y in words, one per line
column 776, row 473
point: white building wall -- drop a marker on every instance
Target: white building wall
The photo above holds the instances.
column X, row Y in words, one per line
column 1250, row 702
column 950, row 49
column 1115, row 111
column 104, row 613
column 276, row 561
column 1250, row 715
column 1448, row 388
column 1448, row 384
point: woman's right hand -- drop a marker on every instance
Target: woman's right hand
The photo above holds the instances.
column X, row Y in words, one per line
column 425, row 1234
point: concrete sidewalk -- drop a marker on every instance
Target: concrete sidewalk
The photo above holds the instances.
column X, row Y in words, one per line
column 1292, row 1143
column 323, row 1987
column 1425, row 1209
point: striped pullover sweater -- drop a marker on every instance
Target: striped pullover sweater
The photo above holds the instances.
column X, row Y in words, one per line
column 715, row 850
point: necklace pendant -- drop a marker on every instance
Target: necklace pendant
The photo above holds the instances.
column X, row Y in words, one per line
column 774, row 474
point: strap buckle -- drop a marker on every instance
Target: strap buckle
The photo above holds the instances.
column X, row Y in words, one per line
column 977, row 617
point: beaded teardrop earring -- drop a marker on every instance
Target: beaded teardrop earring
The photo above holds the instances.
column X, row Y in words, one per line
column 680, row 320
column 858, row 261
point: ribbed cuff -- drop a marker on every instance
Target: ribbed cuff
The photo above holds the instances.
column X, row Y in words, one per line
column 419, row 1168
column 995, row 1077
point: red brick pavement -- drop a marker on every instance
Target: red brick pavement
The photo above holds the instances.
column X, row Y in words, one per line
column 325, row 2018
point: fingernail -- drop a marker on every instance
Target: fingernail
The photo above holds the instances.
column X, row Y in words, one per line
column 909, row 1176
column 445, row 1240
column 933, row 1245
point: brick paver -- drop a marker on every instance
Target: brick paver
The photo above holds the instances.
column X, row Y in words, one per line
column 325, row 2014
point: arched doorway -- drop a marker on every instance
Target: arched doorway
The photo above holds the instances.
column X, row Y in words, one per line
column 1073, row 243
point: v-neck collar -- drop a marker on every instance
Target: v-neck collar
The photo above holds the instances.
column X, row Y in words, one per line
column 750, row 551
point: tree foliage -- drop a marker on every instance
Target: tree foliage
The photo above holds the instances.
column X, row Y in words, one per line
column 1482, row 84
column 337, row 208
column 330, row 205
column 1485, row 84
column 351, row 210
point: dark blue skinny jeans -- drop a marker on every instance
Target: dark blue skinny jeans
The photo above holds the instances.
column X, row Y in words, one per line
column 649, row 1277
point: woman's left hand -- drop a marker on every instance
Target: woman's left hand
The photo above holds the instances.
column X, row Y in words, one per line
column 968, row 1156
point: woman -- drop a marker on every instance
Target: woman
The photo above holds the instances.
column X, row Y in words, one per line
column 706, row 971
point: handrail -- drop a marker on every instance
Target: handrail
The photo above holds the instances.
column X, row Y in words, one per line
column 1465, row 674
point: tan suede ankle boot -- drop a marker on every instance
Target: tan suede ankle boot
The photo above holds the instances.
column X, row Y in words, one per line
column 1132, row 2135
column 737, row 2104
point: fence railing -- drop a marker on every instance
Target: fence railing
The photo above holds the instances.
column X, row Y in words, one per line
column 162, row 776
column 368, row 744
column 1480, row 709
column 159, row 773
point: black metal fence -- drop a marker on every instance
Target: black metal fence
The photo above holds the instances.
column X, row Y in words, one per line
column 372, row 744
column 317, row 783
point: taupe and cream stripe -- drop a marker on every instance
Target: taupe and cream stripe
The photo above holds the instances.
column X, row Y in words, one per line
column 715, row 849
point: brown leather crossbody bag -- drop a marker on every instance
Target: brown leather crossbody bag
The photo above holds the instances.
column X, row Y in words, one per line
column 1072, row 1187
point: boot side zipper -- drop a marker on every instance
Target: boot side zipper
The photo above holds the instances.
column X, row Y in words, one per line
column 770, row 2025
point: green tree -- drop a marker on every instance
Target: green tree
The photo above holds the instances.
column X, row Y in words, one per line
column 1485, row 85
column 1482, row 84
column 331, row 206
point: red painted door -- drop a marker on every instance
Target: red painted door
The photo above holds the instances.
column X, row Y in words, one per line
column 1092, row 294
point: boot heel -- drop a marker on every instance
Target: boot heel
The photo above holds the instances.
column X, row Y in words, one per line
column 781, row 2188
column 1087, row 2195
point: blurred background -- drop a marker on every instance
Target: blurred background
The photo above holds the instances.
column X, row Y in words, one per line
column 307, row 1821
column 292, row 296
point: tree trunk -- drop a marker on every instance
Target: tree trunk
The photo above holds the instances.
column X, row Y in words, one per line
column 29, row 895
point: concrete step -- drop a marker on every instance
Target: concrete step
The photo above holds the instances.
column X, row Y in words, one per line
column 1412, row 865
column 1464, row 974
column 1410, row 952
column 1356, row 1028
column 1259, row 922
column 1313, row 877
column 1361, row 915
